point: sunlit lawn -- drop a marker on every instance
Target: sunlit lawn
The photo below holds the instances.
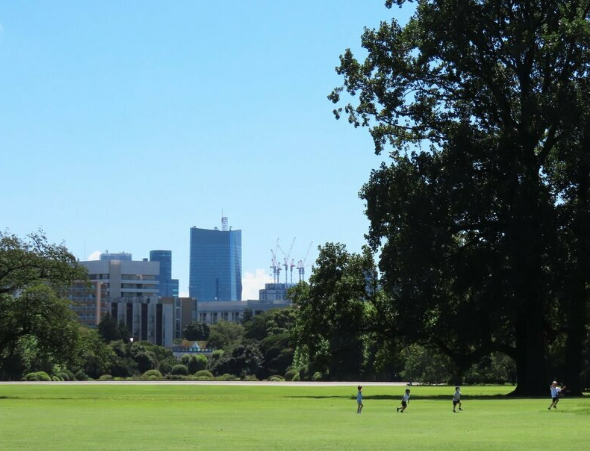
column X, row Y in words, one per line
column 165, row 417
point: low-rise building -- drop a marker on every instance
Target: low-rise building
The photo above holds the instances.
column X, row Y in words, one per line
column 233, row 311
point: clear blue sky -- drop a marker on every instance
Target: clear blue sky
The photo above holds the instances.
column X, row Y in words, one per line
column 124, row 123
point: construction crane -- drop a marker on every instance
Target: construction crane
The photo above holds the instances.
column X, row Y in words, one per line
column 275, row 265
column 286, row 260
column 301, row 264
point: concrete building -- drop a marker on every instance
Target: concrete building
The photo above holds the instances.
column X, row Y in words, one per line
column 185, row 311
column 215, row 272
column 212, row 312
column 107, row 256
column 274, row 292
column 129, row 291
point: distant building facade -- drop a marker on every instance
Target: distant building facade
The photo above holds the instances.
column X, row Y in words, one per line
column 185, row 311
column 215, row 272
column 123, row 256
column 167, row 285
column 212, row 312
column 274, row 292
column 129, row 291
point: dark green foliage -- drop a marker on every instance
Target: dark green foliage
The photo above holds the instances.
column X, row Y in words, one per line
column 110, row 330
column 244, row 359
column 224, row 334
column 196, row 331
column 165, row 365
column 482, row 217
column 94, row 356
column 278, row 352
column 179, row 370
column 37, row 327
column 289, row 375
column 269, row 323
column 197, row 363
column 333, row 311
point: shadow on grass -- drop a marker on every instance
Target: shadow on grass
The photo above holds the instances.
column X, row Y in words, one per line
column 414, row 397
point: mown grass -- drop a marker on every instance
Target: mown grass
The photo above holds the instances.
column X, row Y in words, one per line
column 186, row 417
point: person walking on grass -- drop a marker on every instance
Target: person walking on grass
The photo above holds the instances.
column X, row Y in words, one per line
column 359, row 399
column 457, row 399
column 555, row 392
column 405, row 401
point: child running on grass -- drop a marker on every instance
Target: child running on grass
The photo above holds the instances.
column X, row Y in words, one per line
column 457, row 399
column 405, row 401
column 555, row 391
column 359, row 399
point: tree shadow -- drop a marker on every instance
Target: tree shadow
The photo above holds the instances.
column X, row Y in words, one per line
column 413, row 397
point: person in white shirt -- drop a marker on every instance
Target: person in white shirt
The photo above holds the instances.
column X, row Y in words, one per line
column 555, row 391
column 457, row 399
column 405, row 401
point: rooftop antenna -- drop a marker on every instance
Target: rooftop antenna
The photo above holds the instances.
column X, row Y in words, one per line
column 224, row 226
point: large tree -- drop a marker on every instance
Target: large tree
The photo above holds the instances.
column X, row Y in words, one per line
column 333, row 309
column 485, row 201
column 34, row 275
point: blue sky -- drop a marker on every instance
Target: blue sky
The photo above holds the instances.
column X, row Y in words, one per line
column 123, row 124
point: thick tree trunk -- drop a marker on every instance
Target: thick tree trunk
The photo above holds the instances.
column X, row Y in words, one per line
column 530, row 355
column 573, row 358
column 527, row 237
column 576, row 302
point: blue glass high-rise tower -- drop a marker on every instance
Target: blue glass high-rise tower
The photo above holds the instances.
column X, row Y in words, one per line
column 215, row 272
column 166, row 285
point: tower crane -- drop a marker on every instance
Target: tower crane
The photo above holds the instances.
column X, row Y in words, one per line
column 275, row 266
column 301, row 264
column 286, row 264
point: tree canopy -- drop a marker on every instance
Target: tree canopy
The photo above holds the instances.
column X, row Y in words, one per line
column 482, row 215
column 34, row 315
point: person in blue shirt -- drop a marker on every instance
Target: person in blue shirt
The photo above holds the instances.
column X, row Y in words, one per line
column 359, row 399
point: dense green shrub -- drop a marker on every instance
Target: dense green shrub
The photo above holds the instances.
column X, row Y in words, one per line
column 250, row 377
column 289, row 375
column 204, row 373
column 296, row 377
column 177, row 377
column 318, row 376
column 152, row 373
column 227, row 377
column 80, row 376
column 40, row 376
column 276, row 378
column 166, row 365
column 179, row 370
column 65, row 376
column 105, row 377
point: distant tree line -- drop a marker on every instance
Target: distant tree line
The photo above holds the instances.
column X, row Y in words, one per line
column 343, row 326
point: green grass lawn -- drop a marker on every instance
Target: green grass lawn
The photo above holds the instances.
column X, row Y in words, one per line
column 168, row 417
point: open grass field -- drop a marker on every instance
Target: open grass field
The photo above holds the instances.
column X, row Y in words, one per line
column 161, row 417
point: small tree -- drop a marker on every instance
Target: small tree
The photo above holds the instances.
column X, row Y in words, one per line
column 196, row 331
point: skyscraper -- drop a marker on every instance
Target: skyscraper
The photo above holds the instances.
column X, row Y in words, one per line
column 166, row 285
column 215, row 264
